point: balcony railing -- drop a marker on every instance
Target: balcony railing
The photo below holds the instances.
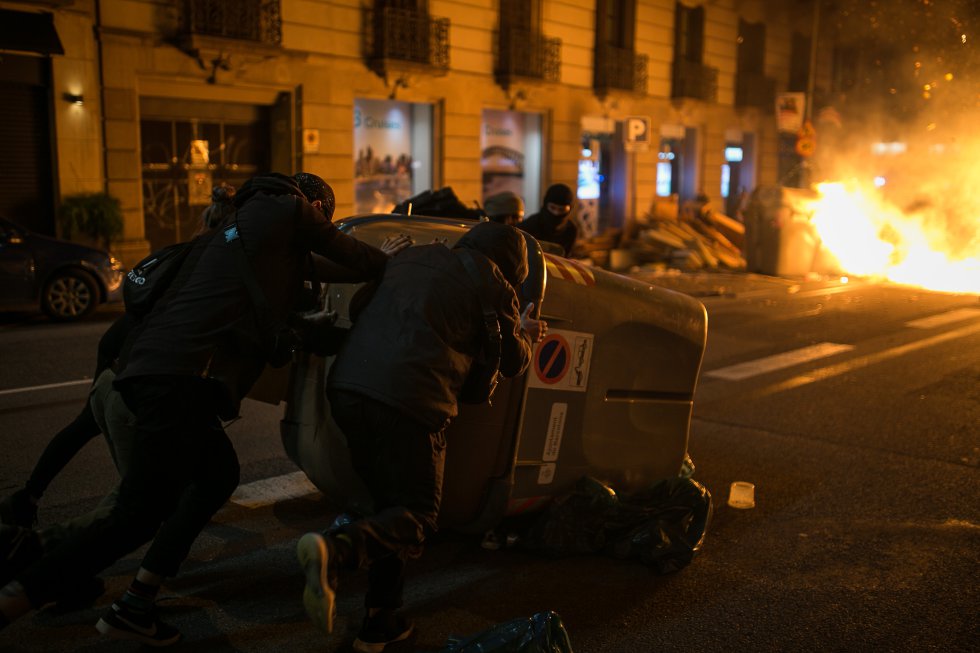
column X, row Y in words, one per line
column 526, row 54
column 620, row 69
column 248, row 20
column 404, row 36
column 694, row 80
column 755, row 90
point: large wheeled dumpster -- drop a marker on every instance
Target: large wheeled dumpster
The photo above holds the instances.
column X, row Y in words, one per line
column 609, row 392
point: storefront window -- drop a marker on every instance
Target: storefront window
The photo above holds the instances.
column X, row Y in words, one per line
column 510, row 146
column 392, row 153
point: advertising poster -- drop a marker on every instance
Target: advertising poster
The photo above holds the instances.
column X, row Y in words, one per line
column 502, row 151
column 382, row 154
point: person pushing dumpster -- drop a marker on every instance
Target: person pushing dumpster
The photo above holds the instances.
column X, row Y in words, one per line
column 393, row 390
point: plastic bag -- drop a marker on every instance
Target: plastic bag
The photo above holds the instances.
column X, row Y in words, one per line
column 663, row 526
column 542, row 633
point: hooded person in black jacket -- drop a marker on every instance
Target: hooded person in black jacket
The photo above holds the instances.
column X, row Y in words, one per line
column 552, row 223
column 193, row 359
column 393, row 390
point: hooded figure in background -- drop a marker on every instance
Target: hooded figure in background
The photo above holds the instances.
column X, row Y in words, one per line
column 505, row 208
column 552, row 223
column 393, row 390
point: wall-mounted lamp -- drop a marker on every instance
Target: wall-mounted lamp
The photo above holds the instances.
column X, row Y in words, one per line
column 515, row 98
column 401, row 81
column 74, row 98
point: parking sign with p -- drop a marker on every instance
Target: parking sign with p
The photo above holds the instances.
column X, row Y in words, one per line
column 636, row 133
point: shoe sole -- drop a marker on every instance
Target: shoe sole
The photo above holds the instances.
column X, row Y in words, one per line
column 377, row 647
column 318, row 597
column 109, row 630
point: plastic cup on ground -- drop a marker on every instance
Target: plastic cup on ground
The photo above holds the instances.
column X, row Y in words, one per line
column 741, row 495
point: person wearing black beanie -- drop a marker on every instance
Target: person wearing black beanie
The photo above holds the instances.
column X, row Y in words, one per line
column 552, row 224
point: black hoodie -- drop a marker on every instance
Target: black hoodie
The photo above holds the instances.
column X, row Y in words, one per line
column 209, row 328
column 413, row 344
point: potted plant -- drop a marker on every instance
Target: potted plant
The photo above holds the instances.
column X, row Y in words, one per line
column 95, row 215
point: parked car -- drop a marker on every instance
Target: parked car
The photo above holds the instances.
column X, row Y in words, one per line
column 609, row 392
column 67, row 281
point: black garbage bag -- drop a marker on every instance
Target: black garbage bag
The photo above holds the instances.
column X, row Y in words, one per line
column 671, row 520
column 442, row 203
column 574, row 523
column 542, row 633
column 663, row 526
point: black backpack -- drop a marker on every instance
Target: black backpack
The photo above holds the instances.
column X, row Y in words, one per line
column 151, row 277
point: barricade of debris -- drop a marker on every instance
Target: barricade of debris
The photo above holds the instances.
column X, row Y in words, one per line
column 690, row 238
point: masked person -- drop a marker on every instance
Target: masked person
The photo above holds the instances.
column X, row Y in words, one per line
column 551, row 224
column 190, row 363
column 505, row 208
column 393, row 390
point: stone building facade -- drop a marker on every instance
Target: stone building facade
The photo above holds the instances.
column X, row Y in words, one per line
column 627, row 100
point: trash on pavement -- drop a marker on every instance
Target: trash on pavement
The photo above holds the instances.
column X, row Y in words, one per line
column 663, row 526
column 741, row 495
column 543, row 632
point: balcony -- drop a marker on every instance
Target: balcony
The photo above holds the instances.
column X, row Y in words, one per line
column 397, row 40
column 526, row 55
column 255, row 21
column 619, row 69
column 694, row 80
column 755, row 90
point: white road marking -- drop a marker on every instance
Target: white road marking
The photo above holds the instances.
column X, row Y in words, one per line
column 830, row 371
column 944, row 318
column 49, row 386
column 273, row 490
column 778, row 361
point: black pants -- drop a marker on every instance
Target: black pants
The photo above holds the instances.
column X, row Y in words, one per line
column 401, row 461
column 182, row 470
column 61, row 449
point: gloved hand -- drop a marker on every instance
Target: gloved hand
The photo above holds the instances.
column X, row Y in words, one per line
column 317, row 331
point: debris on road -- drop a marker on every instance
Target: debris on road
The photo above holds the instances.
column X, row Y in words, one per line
column 541, row 633
column 663, row 526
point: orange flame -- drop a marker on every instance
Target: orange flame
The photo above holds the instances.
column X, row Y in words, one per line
column 872, row 238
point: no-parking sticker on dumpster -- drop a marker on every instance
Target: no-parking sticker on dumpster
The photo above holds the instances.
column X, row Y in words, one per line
column 561, row 361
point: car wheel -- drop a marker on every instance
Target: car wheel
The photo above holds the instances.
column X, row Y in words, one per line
column 69, row 295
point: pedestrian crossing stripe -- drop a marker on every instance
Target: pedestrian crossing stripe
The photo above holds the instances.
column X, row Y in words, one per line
column 573, row 271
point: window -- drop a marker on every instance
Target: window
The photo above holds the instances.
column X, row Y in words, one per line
column 392, row 153
column 615, row 20
column 799, row 63
column 689, row 34
column 751, row 47
column 520, row 14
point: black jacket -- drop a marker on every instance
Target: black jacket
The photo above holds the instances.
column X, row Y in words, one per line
column 209, row 327
column 546, row 227
column 413, row 344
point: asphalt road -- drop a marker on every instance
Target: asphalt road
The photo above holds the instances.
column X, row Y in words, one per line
column 865, row 535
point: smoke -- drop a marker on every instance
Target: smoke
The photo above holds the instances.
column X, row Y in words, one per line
column 907, row 113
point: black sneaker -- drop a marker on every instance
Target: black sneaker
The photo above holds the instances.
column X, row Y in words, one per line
column 384, row 628
column 18, row 510
column 319, row 597
column 19, row 549
column 122, row 622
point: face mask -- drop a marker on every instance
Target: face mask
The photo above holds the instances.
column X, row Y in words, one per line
column 558, row 210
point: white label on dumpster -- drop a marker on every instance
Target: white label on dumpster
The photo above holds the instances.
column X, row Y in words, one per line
column 547, row 473
column 561, row 361
column 556, row 427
